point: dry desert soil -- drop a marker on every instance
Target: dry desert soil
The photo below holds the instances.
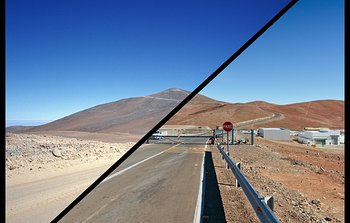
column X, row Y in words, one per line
column 307, row 183
column 45, row 173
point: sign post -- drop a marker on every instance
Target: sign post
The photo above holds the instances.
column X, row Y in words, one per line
column 228, row 126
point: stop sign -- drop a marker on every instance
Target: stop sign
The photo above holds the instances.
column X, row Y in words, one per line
column 228, row 126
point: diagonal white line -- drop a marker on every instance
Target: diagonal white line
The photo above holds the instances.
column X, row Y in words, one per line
column 132, row 166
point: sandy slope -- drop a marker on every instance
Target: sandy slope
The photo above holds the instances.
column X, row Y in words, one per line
column 40, row 185
column 40, row 198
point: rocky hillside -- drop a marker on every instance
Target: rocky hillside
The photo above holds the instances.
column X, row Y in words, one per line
column 37, row 151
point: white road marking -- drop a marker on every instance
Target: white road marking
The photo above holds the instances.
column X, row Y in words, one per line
column 136, row 164
column 199, row 206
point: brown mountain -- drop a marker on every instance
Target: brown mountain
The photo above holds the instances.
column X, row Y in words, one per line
column 138, row 115
column 133, row 115
column 322, row 113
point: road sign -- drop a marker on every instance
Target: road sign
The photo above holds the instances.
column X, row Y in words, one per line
column 228, row 126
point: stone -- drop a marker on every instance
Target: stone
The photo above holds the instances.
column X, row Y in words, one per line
column 328, row 219
column 56, row 152
column 316, row 202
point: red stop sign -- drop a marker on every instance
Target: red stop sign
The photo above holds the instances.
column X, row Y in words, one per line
column 228, row 126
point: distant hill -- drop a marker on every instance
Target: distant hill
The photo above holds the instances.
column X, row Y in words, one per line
column 138, row 115
column 18, row 128
column 322, row 113
column 133, row 115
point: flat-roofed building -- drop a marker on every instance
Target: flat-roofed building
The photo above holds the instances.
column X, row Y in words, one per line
column 274, row 133
column 320, row 138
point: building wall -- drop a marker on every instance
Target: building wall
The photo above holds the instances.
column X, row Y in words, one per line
column 304, row 140
column 275, row 134
column 320, row 138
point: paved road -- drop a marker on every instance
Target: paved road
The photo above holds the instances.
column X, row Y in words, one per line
column 161, row 189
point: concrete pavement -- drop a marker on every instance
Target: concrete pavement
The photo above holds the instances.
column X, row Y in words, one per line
column 162, row 189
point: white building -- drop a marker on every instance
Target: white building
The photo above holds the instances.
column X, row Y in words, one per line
column 294, row 133
column 274, row 133
column 320, row 138
column 342, row 139
column 342, row 136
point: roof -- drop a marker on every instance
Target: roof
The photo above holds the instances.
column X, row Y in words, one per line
column 274, row 129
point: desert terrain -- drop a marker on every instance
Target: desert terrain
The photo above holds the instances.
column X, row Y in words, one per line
column 307, row 183
column 48, row 166
column 203, row 111
column 46, row 173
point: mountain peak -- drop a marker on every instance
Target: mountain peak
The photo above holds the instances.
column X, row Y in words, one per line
column 172, row 93
column 175, row 89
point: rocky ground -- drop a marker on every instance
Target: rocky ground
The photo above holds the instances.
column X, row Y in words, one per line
column 45, row 173
column 307, row 183
column 39, row 153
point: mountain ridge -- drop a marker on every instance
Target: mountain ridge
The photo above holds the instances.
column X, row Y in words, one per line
column 137, row 115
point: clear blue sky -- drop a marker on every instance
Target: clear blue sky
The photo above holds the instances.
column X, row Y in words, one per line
column 66, row 56
column 300, row 58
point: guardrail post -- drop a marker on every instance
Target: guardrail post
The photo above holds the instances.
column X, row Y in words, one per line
column 239, row 167
column 270, row 202
column 228, row 154
column 222, row 138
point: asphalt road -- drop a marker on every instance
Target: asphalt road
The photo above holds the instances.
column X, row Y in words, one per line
column 158, row 183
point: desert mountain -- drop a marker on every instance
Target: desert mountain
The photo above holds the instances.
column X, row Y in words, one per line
column 321, row 113
column 138, row 115
column 133, row 115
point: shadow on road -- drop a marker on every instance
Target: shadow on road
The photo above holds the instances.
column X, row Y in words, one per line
column 213, row 208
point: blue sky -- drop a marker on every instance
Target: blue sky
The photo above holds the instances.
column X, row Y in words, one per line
column 66, row 56
column 300, row 58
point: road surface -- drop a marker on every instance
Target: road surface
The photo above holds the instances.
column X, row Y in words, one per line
column 41, row 200
column 164, row 188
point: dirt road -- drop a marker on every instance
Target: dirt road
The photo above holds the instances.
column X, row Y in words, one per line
column 46, row 173
column 40, row 200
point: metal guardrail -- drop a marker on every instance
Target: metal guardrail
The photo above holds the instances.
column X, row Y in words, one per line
column 262, row 210
column 189, row 136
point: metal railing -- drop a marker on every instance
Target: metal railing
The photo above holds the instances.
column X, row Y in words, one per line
column 259, row 203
